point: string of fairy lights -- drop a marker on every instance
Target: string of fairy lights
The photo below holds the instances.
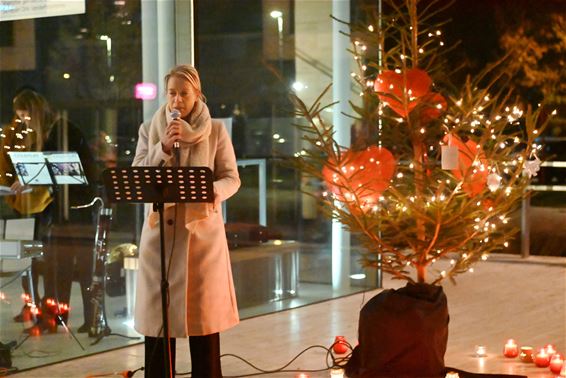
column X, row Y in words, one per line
column 504, row 161
column 21, row 134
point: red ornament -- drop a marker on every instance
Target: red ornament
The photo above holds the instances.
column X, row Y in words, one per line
column 475, row 176
column 340, row 345
column 434, row 105
column 392, row 87
column 365, row 174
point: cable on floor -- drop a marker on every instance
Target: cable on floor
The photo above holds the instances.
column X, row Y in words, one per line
column 331, row 360
column 124, row 373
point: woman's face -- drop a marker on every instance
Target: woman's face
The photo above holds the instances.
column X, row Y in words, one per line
column 181, row 95
column 23, row 116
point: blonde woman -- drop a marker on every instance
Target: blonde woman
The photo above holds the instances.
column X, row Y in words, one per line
column 202, row 299
column 37, row 128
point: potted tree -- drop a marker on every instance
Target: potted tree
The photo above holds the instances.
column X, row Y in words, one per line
column 429, row 189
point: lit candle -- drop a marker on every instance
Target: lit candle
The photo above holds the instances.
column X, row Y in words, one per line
column 336, row 373
column 556, row 363
column 550, row 350
column 542, row 359
column 526, row 354
column 480, row 351
column 302, row 375
column 511, row 350
column 452, row 374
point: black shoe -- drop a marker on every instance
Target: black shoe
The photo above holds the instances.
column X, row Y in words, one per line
column 83, row 329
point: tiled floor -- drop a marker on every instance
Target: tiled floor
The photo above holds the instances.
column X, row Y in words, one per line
column 504, row 298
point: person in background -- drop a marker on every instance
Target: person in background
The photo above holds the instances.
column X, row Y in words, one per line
column 37, row 128
column 201, row 296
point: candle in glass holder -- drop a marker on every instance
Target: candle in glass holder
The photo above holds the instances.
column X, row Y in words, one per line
column 556, row 363
column 526, row 354
column 336, row 373
column 480, row 351
column 452, row 374
column 511, row 349
column 542, row 359
column 550, row 350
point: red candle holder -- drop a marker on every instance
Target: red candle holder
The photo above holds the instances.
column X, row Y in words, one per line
column 542, row 359
column 526, row 354
column 556, row 363
column 340, row 345
column 510, row 349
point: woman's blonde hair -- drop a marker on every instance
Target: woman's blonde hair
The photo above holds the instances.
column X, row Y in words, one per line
column 189, row 73
column 41, row 116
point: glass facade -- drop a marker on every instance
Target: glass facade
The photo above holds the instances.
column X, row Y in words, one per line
column 99, row 76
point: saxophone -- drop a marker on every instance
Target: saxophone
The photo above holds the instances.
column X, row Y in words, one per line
column 98, row 326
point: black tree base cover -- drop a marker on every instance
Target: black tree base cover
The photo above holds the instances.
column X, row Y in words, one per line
column 404, row 333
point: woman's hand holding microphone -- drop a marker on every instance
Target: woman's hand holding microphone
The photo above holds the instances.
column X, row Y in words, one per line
column 174, row 132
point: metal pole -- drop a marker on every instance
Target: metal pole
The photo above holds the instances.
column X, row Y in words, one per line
column 525, row 226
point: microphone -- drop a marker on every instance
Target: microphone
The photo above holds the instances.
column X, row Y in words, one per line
column 176, row 114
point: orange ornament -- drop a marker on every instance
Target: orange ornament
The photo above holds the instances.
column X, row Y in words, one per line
column 391, row 87
column 366, row 174
column 475, row 178
column 434, row 104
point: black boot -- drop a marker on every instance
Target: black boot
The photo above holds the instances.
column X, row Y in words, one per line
column 205, row 356
column 154, row 366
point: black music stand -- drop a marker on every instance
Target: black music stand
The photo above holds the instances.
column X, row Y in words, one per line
column 160, row 185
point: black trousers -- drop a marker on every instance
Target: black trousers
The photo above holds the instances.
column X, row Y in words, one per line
column 205, row 356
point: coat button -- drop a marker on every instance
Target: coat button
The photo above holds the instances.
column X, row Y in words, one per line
column 170, row 222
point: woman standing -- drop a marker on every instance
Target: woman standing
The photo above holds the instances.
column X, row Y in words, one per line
column 201, row 298
column 37, row 127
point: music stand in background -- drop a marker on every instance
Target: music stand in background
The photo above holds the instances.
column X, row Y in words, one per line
column 53, row 168
column 160, row 185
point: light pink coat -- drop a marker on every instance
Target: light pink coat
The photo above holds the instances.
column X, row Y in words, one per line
column 202, row 296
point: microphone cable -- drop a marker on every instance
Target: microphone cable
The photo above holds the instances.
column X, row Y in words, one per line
column 332, row 361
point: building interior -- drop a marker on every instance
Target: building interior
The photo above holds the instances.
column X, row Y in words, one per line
column 297, row 274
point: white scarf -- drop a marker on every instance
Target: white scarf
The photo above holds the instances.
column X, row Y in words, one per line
column 194, row 152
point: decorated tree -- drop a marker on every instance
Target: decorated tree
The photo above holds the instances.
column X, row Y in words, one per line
column 443, row 165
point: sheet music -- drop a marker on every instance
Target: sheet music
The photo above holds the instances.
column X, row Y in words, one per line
column 37, row 168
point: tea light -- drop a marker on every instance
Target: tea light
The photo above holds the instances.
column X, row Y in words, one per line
column 526, row 354
column 336, row 373
column 302, row 375
column 550, row 350
column 556, row 363
column 452, row 374
column 542, row 359
column 480, row 351
column 511, row 349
